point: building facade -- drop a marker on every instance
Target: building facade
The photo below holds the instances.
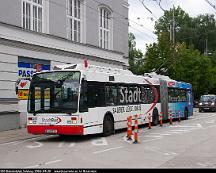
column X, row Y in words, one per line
column 36, row 35
column 39, row 34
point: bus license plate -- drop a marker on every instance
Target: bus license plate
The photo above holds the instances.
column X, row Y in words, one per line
column 51, row 131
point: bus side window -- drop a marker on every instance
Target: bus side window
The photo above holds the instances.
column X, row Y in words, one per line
column 111, row 95
column 95, row 94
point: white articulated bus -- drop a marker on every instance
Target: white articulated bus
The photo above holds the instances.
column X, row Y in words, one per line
column 79, row 100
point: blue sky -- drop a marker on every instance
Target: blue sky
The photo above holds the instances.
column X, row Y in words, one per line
column 142, row 20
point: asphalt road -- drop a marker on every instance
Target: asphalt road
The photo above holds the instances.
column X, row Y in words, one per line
column 187, row 144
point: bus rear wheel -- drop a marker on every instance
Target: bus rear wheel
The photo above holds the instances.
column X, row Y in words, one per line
column 108, row 126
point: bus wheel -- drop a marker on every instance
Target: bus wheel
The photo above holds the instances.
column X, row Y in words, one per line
column 155, row 117
column 108, row 126
column 185, row 114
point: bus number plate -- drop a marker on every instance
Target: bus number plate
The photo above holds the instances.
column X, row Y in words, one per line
column 51, row 131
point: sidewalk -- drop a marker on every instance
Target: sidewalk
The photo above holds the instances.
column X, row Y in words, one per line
column 8, row 108
column 15, row 135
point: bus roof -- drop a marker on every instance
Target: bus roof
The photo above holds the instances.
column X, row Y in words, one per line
column 93, row 73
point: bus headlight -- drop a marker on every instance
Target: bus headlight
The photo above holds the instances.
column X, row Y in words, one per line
column 213, row 104
column 200, row 104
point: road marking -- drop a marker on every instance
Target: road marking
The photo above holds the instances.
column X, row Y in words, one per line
column 51, row 162
column 96, row 152
column 160, row 151
column 201, row 164
column 155, row 138
column 206, row 117
column 207, row 164
column 20, row 141
column 128, row 141
column 39, row 144
column 179, row 131
column 162, row 134
column 188, row 126
column 210, row 122
column 46, row 163
column 72, row 145
column 61, row 144
column 34, row 166
column 99, row 142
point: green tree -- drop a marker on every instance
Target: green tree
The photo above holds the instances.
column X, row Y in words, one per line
column 182, row 21
column 181, row 63
column 199, row 31
column 159, row 56
column 135, row 56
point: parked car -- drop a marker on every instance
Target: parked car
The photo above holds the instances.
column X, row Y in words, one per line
column 207, row 103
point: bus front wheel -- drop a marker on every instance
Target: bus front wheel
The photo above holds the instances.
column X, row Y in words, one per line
column 108, row 125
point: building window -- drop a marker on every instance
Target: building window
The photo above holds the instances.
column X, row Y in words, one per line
column 105, row 28
column 74, row 20
column 32, row 15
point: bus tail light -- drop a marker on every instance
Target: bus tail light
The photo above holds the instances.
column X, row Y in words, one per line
column 74, row 120
column 30, row 121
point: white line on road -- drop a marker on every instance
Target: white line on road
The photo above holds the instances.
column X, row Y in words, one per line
column 210, row 122
column 46, row 163
column 20, row 141
column 206, row 117
column 162, row 134
column 51, row 162
column 61, row 144
column 34, row 166
column 160, row 151
column 153, row 136
column 39, row 144
column 201, row 164
column 96, row 152
column 188, row 126
column 180, row 130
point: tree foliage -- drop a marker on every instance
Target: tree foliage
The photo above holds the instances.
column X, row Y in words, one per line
column 186, row 60
column 135, row 56
column 199, row 31
column 181, row 63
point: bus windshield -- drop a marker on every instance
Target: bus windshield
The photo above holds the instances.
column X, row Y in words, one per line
column 54, row 92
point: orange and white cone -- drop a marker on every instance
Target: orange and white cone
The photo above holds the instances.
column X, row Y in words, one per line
column 129, row 130
column 161, row 119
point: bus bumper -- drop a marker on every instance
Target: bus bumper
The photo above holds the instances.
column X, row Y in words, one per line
column 61, row 130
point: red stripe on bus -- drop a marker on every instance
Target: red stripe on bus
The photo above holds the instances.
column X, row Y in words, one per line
column 64, row 130
column 156, row 96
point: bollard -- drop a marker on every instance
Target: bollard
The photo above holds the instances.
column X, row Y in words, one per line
column 136, row 129
column 161, row 119
column 149, row 118
column 170, row 117
column 179, row 116
column 129, row 130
